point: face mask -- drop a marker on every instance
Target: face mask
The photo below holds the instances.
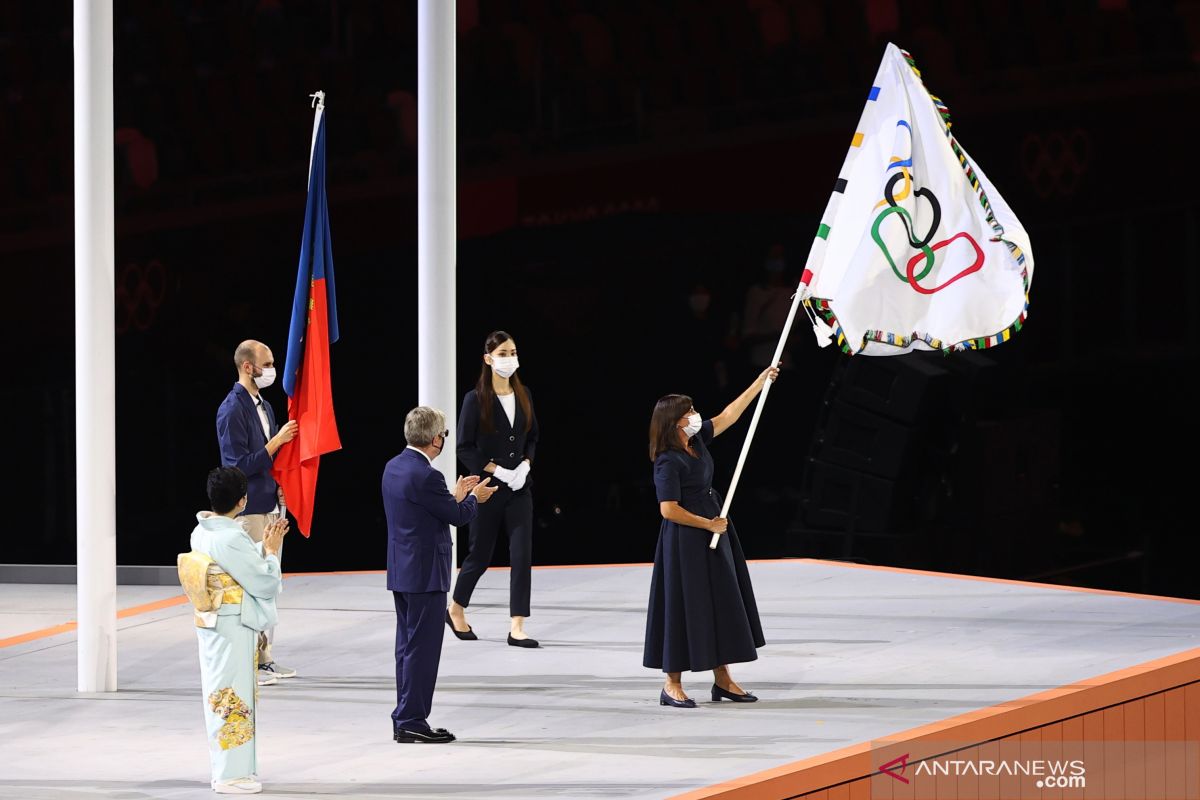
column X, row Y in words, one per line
column 266, row 379
column 693, row 426
column 505, row 366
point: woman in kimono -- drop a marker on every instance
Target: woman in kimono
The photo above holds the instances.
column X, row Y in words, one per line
column 232, row 583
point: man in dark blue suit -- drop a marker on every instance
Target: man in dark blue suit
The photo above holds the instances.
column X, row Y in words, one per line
column 249, row 438
column 420, row 510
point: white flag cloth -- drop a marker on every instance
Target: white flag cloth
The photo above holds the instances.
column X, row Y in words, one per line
column 916, row 249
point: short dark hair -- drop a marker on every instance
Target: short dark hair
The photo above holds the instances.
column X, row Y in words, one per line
column 667, row 412
column 226, row 488
column 246, row 351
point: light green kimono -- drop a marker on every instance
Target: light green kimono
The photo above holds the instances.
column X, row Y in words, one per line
column 242, row 584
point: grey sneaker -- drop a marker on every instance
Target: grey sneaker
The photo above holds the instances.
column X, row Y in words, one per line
column 277, row 670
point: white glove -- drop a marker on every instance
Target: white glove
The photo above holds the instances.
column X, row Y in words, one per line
column 521, row 473
column 506, row 475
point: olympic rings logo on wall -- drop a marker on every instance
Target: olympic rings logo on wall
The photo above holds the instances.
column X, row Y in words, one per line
column 928, row 251
column 1056, row 162
column 140, row 292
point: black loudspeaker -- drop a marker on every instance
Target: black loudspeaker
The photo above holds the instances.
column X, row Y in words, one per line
column 905, row 388
column 875, row 482
column 860, row 440
column 838, row 499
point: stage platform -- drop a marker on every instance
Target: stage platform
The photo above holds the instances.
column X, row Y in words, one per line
column 928, row 663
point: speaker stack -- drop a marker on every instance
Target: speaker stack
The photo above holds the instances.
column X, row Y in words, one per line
column 875, row 476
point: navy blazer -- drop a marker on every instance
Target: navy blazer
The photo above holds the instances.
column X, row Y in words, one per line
column 243, row 445
column 420, row 511
column 506, row 446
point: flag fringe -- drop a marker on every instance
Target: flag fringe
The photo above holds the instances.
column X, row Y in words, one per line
column 820, row 306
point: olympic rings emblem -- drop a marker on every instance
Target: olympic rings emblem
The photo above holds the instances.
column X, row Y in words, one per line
column 1056, row 163
column 139, row 294
column 891, row 201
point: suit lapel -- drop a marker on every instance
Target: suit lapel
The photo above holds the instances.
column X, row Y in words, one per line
column 248, row 404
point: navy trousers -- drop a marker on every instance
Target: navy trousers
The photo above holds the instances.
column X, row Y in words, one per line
column 513, row 512
column 419, row 620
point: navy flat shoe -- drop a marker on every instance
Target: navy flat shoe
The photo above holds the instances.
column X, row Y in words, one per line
column 720, row 694
column 468, row 636
column 665, row 699
column 522, row 642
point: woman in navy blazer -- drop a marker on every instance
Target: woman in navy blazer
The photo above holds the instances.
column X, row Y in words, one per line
column 497, row 438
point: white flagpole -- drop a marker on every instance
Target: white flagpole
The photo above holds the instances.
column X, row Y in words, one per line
column 95, row 350
column 797, row 298
column 436, row 219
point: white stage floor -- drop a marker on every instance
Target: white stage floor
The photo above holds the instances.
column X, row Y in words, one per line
column 852, row 655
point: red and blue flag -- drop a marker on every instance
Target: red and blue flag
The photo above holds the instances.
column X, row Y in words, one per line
column 306, row 373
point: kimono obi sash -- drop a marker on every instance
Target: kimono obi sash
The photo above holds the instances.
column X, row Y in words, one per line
column 212, row 591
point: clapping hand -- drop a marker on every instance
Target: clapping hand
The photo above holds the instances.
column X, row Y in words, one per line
column 273, row 536
column 483, row 492
column 464, row 486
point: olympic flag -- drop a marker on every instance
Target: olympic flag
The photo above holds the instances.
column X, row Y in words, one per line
column 916, row 250
column 306, row 375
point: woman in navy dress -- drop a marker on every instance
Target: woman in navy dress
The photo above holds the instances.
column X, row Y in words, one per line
column 702, row 613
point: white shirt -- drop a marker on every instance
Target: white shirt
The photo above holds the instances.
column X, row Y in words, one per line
column 259, row 403
column 509, row 402
column 422, row 452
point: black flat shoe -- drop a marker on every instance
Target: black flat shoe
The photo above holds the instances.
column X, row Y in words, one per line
column 439, row 736
column 469, row 636
column 720, row 694
column 665, row 699
column 522, row 642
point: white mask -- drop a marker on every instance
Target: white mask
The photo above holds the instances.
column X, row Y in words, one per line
column 693, row 426
column 266, row 379
column 505, row 366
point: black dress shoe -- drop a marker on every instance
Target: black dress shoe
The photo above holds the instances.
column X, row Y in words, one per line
column 721, row 694
column 469, row 636
column 438, row 736
column 522, row 642
column 665, row 699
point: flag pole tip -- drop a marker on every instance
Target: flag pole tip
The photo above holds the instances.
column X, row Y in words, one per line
column 318, row 99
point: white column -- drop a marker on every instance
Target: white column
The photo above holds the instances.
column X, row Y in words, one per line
column 95, row 383
column 436, row 215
